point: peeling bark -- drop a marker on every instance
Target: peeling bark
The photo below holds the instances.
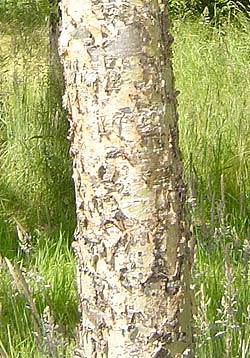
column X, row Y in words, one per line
column 134, row 255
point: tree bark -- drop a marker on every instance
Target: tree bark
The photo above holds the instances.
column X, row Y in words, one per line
column 134, row 252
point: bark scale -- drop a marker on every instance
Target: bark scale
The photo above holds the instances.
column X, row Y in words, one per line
column 133, row 249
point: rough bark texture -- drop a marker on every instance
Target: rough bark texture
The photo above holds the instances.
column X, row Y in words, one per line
column 131, row 243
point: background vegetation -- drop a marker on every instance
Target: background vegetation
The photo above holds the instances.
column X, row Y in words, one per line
column 38, row 299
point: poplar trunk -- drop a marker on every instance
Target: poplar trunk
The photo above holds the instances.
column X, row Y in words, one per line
column 133, row 250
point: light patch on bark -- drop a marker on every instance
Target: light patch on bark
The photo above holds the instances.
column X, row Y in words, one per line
column 132, row 248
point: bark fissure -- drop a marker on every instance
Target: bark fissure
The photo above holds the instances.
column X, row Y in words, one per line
column 131, row 243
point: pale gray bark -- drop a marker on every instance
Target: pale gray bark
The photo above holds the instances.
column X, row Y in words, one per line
column 133, row 249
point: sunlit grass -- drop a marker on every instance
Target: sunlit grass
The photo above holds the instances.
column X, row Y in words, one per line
column 212, row 72
column 48, row 272
column 35, row 177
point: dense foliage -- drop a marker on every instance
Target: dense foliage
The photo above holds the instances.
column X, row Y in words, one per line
column 214, row 7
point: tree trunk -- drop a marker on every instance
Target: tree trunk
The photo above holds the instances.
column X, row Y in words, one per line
column 134, row 255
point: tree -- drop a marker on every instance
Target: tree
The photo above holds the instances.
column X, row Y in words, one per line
column 134, row 252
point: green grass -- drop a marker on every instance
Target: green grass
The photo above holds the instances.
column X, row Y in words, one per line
column 30, row 14
column 36, row 189
column 35, row 173
column 48, row 271
column 212, row 72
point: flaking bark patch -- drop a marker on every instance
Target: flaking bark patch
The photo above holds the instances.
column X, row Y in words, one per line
column 132, row 248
